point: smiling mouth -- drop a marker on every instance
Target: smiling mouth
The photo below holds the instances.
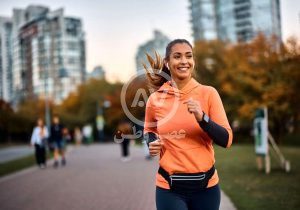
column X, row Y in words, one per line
column 183, row 69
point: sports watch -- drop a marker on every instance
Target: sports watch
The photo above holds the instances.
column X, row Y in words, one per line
column 205, row 119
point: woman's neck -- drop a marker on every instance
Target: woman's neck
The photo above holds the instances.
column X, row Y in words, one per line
column 181, row 83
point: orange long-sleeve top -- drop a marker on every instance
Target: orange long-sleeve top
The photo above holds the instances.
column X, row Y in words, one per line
column 187, row 148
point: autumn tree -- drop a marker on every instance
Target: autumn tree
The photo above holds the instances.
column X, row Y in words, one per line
column 263, row 72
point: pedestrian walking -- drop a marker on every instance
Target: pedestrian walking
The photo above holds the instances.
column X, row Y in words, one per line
column 183, row 136
column 125, row 131
column 39, row 141
column 57, row 139
column 78, row 136
column 87, row 133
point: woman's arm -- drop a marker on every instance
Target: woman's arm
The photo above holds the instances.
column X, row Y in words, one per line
column 217, row 127
column 215, row 123
column 216, row 132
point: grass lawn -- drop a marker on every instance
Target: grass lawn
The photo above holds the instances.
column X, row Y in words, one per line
column 250, row 189
column 16, row 165
column 19, row 164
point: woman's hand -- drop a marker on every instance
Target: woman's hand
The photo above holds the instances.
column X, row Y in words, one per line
column 194, row 107
column 155, row 147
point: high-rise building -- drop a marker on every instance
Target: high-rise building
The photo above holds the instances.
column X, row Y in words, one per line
column 204, row 19
column 236, row 20
column 6, row 86
column 97, row 73
column 48, row 53
column 158, row 44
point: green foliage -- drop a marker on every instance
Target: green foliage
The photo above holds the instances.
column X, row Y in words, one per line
column 80, row 108
column 250, row 75
column 6, row 115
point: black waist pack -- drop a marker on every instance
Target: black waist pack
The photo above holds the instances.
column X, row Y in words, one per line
column 187, row 182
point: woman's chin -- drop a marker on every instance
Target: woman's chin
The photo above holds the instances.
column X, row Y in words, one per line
column 183, row 76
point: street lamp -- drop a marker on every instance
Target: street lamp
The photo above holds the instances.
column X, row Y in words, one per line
column 100, row 122
column 62, row 72
column 47, row 108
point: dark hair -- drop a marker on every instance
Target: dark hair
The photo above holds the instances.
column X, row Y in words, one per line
column 172, row 43
column 158, row 69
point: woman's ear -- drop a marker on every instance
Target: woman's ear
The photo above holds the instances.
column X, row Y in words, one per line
column 166, row 64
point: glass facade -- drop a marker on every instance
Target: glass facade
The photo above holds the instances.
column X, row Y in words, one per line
column 49, row 58
column 235, row 20
column 6, row 88
column 203, row 19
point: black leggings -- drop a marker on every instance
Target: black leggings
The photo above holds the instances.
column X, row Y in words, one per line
column 207, row 199
column 125, row 147
column 40, row 154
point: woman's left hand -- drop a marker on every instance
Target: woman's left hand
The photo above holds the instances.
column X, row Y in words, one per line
column 194, row 107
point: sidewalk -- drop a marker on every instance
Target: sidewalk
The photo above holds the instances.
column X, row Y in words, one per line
column 94, row 178
column 15, row 152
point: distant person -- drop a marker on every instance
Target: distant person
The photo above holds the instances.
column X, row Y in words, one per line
column 77, row 136
column 66, row 136
column 39, row 141
column 184, row 138
column 58, row 141
column 124, row 131
column 87, row 132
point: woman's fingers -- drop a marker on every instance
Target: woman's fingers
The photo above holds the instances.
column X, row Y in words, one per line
column 155, row 147
column 194, row 107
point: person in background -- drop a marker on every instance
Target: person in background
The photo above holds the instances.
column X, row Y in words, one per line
column 57, row 139
column 87, row 132
column 124, row 128
column 187, row 178
column 39, row 141
column 78, row 136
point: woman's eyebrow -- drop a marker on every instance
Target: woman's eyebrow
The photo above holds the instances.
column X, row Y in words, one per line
column 189, row 52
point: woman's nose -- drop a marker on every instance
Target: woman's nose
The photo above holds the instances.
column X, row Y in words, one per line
column 183, row 60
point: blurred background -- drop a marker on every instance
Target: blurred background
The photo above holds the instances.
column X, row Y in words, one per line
column 71, row 59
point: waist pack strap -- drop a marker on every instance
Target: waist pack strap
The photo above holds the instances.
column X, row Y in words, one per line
column 166, row 176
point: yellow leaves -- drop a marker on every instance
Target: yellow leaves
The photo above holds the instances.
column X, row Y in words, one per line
column 247, row 110
column 249, row 75
column 227, row 87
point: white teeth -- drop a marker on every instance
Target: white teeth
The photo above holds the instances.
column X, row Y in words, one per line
column 183, row 69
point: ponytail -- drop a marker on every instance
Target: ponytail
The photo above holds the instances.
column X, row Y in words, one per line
column 158, row 73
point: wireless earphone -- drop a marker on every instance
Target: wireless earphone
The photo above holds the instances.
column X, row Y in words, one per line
column 167, row 66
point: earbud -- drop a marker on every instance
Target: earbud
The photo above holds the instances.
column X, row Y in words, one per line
column 167, row 66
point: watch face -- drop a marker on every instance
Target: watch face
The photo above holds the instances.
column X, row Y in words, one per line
column 206, row 118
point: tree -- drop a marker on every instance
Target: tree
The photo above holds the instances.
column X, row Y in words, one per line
column 6, row 115
column 263, row 72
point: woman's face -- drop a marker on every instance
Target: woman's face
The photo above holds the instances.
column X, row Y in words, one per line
column 40, row 122
column 181, row 62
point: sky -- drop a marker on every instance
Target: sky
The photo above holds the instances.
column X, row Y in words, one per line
column 115, row 28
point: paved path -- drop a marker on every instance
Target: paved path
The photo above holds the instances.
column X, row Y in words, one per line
column 94, row 178
column 15, row 152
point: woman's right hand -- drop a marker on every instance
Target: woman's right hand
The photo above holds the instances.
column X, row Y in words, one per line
column 155, row 147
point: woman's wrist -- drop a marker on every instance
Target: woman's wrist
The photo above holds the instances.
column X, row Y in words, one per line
column 199, row 116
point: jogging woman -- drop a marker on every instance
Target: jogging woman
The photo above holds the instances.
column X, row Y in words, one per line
column 183, row 119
